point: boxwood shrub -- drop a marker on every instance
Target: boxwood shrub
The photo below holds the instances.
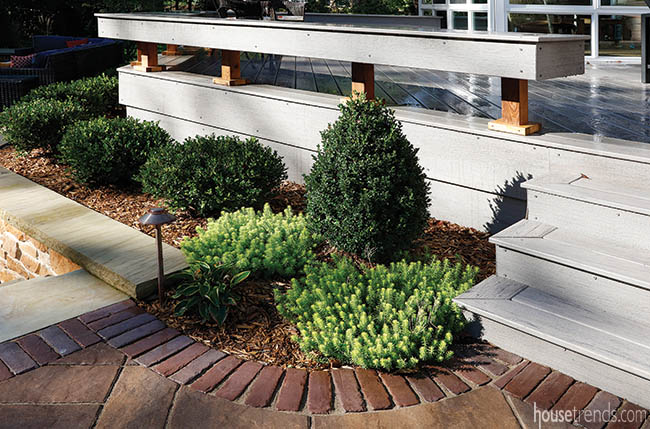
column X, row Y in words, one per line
column 206, row 174
column 264, row 243
column 39, row 124
column 99, row 94
column 366, row 192
column 386, row 317
column 106, row 151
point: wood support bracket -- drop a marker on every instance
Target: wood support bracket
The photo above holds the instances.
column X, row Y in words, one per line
column 363, row 80
column 230, row 69
column 514, row 109
column 147, row 58
column 175, row 50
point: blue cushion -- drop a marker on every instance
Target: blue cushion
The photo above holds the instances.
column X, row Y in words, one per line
column 41, row 56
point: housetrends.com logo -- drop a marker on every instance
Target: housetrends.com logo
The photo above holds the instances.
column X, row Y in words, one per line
column 584, row 417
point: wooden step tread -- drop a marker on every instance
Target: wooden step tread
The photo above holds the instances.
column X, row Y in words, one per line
column 625, row 196
column 601, row 336
column 582, row 253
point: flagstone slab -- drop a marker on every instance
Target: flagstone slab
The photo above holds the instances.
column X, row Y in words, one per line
column 116, row 253
column 51, row 416
column 30, row 305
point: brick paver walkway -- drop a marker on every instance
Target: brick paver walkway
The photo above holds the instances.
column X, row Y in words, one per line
column 121, row 367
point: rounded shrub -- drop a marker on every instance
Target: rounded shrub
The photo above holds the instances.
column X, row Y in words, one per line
column 106, row 151
column 99, row 94
column 40, row 123
column 206, row 174
column 366, row 192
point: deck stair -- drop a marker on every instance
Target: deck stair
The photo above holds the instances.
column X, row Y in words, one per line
column 572, row 289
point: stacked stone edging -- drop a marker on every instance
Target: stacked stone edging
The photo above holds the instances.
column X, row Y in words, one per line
column 24, row 258
column 149, row 343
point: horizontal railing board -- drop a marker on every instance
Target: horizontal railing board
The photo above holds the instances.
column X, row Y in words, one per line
column 429, row 22
column 514, row 55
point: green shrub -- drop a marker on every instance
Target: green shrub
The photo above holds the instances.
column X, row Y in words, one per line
column 366, row 192
column 208, row 174
column 39, row 124
column 99, row 94
column 208, row 289
column 387, row 317
column 110, row 151
column 265, row 243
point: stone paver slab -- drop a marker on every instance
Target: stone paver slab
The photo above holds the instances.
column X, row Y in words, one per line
column 106, row 311
column 530, row 417
column 164, row 350
column 139, row 399
column 193, row 409
column 136, row 333
column 115, row 318
column 216, row 374
column 347, row 390
column 180, row 359
column 150, row 342
column 98, row 354
column 126, row 325
column 59, row 340
column 239, row 380
column 59, row 383
column 47, row 416
column 373, row 391
column 399, row 389
column 79, row 332
column 449, row 380
column 262, row 389
column 550, row 390
column 38, row 349
column 426, row 387
column 319, row 393
column 197, row 366
column 15, row 358
column 38, row 303
column 599, row 411
column 524, row 382
column 291, row 392
column 576, row 398
column 484, row 408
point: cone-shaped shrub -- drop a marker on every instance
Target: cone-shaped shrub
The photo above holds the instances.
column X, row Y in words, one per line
column 387, row 317
column 366, row 192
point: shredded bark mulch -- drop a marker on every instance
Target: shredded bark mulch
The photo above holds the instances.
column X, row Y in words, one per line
column 254, row 329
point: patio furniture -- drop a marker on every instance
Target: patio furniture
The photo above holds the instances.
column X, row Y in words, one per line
column 12, row 87
column 6, row 53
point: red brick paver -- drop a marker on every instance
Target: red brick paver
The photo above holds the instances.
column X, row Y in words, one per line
column 454, row 384
column 319, row 394
column 599, row 411
column 576, row 398
column 399, row 390
column 524, row 382
column 15, row 358
column 59, row 340
column 115, row 318
column 293, row 386
column 148, row 343
column 501, row 383
column 197, row 366
column 106, row 311
column 347, row 390
column 264, row 386
column 473, row 374
column 372, row 389
column 216, row 374
column 38, row 349
column 4, row 372
column 79, row 332
column 629, row 416
column 179, row 360
column 550, row 390
column 426, row 387
column 126, row 325
column 239, row 380
column 163, row 351
column 136, row 333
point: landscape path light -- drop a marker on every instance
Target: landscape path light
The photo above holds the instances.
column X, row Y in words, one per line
column 158, row 217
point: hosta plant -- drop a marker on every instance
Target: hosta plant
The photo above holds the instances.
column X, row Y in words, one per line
column 208, row 290
column 386, row 317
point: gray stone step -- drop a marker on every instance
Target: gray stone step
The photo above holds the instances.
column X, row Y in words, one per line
column 608, row 277
column 599, row 348
column 617, row 211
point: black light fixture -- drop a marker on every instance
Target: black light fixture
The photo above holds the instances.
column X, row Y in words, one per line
column 158, row 217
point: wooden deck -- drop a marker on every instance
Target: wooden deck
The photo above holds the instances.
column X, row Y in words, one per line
column 606, row 101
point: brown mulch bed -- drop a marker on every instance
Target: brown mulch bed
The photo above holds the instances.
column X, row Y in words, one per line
column 254, row 329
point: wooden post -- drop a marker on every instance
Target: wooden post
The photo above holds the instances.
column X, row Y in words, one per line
column 172, row 50
column 514, row 109
column 230, row 69
column 147, row 58
column 363, row 80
